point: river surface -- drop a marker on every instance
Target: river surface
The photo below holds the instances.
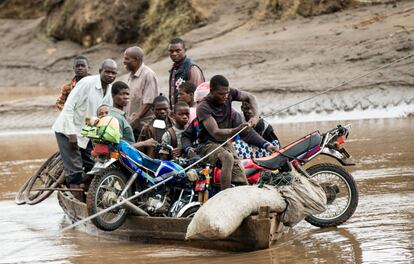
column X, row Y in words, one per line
column 381, row 230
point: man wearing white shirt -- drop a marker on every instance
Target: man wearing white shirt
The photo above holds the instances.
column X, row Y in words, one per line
column 84, row 100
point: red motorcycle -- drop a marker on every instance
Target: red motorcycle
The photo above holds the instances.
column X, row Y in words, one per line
column 340, row 187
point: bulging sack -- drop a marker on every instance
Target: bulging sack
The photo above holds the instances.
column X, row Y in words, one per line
column 105, row 129
column 304, row 197
column 223, row 213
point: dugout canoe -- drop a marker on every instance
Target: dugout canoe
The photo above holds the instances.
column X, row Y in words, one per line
column 256, row 232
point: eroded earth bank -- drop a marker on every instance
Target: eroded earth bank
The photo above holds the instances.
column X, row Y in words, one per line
column 283, row 53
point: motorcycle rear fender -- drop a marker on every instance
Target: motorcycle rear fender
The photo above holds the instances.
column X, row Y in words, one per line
column 186, row 207
column 342, row 157
column 99, row 166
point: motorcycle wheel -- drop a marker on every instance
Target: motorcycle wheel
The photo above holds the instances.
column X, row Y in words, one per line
column 19, row 198
column 50, row 175
column 190, row 212
column 104, row 191
column 343, row 203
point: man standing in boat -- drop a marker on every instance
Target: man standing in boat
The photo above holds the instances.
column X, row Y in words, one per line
column 214, row 113
column 143, row 84
column 81, row 69
column 183, row 69
column 84, row 100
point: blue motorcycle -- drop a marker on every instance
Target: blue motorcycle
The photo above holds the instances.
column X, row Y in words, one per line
column 121, row 171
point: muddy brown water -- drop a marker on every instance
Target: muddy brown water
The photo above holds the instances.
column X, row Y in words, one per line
column 381, row 230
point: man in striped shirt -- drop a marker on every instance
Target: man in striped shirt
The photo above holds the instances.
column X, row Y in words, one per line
column 81, row 69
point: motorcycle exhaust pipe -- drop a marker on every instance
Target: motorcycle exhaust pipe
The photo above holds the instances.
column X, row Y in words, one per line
column 133, row 208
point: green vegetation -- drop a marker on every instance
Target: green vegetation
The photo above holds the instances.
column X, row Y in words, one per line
column 166, row 19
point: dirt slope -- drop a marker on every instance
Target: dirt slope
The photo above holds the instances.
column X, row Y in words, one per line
column 281, row 61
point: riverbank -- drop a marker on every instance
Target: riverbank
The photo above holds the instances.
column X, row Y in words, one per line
column 281, row 62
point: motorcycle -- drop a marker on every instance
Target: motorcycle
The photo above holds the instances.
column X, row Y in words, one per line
column 339, row 186
column 121, row 170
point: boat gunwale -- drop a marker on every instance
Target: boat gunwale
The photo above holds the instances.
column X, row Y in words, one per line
column 256, row 231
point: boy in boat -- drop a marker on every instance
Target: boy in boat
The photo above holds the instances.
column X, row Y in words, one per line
column 120, row 97
column 186, row 93
column 173, row 134
column 161, row 111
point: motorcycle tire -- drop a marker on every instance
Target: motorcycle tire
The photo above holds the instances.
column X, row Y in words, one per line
column 50, row 175
column 19, row 198
column 103, row 192
column 190, row 212
column 345, row 200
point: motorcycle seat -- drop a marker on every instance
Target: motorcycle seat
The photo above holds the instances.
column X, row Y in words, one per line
column 139, row 157
column 294, row 149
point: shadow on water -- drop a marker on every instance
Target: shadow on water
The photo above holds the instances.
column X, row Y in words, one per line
column 379, row 232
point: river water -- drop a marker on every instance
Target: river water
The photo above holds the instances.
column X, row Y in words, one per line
column 381, row 230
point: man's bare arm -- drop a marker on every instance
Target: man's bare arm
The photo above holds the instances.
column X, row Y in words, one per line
column 251, row 99
column 221, row 133
column 139, row 114
column 143, row 110
column 195, row 76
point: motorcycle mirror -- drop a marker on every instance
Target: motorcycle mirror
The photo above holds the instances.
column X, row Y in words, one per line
column 158, row 123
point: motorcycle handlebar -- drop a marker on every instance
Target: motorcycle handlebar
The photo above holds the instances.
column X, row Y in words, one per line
column 164, row 146
column 341, row 130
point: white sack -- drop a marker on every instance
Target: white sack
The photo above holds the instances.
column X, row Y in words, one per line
column 223, row 213
column 304, row 197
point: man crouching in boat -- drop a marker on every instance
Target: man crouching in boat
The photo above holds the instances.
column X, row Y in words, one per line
column 214, row 113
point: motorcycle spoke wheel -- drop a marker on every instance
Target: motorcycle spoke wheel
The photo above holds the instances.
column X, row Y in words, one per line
column 50, row 175
column 190, row 212
column 343, row 198
column 103, row 193
column 19, row 198
column 343, row 203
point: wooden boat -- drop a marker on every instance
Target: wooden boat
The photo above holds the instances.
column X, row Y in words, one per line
column 256, row 232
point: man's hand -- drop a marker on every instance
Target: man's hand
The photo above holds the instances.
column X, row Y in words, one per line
column 137, row 116
column 150, row 143
column 146, row 143
column 253, row 121
column 272, row 148
column 73, row 141
column 245, row 126
column 134, row 122
column 176, row 152
column 191, row 153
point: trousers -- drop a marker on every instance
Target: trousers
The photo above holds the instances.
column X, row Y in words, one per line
column 76, row 162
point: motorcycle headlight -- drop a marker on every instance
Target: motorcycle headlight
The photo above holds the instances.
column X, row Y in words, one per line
column 192, row 175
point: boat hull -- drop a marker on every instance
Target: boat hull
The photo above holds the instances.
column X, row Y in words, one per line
column 256, row 232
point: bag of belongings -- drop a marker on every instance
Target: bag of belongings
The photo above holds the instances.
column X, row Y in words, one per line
column 103, row 129
column 221, row 215
column 304, row 197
